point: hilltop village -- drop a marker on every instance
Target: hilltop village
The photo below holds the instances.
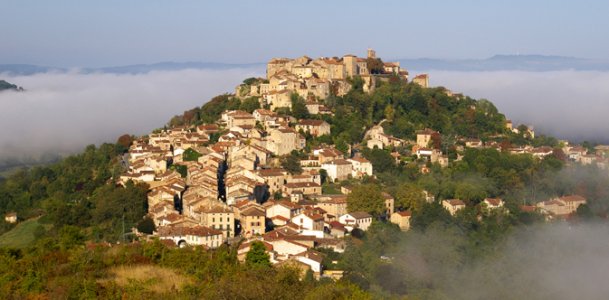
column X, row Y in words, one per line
column 254, row 176
column 316, row 79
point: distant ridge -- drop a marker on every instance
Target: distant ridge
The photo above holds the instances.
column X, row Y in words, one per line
column 25, row 69
column 170, row 66
column 533, row 63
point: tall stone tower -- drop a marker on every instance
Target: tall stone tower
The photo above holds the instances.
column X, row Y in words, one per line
column 350, row 65
column 371, row 53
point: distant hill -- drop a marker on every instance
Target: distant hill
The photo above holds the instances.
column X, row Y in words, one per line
column 169, row 66
column 532, row 63
column 6, row 86
column 22, row 69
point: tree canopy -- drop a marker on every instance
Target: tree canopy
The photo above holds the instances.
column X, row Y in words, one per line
column 257, row 256
column 368, row 198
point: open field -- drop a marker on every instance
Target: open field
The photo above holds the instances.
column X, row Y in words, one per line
column 20, row 236
column 148, row 278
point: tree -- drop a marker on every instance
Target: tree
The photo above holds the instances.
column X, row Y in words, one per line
column 336, row 291
column 368, row 198
column 584, row 212
column 261, row 193
column 409, row 196
column 389, row 112
column 257, row 256
column 323, row 175
column 250, row 104
column 357, row 83
column 190, row 155
column 375, row 65
column 125, row 140
column 181, row 169
column 146, row 225
column 70, row 236
column 291, row 163
column 250, row 81
column 380, row 159
column 299, row 107
column 430, row 213
column 471, row 192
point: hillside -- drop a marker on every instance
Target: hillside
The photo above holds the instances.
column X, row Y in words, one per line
column 6, row 86
column 405, row 107
column 23, row 235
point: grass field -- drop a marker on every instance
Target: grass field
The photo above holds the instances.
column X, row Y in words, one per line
column 147, row 278
column 20, row 236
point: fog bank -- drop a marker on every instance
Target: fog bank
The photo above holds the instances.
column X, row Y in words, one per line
column 555, row 261
column 63, row 112
column 565, row 104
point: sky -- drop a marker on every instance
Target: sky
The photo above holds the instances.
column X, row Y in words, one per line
column 76, row 33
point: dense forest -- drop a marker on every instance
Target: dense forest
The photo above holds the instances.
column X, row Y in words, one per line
column 80, row 210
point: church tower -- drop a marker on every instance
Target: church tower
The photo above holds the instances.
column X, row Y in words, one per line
column 371, row 53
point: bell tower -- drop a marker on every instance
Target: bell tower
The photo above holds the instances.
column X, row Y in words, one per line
column 371, row 53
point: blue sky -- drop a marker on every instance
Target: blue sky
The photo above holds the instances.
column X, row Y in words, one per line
column 106, row 33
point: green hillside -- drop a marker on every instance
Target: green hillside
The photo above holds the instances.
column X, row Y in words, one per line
column 4, row 85
column 22, row 235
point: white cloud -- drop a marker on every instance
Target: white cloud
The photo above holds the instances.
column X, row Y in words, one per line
column 63, row 112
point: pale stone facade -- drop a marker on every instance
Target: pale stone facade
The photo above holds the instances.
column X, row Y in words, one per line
column 422, row 80
column 314, row 77
column 338, row 169
column 453, row 205
column 402, row 219
column 314, row 127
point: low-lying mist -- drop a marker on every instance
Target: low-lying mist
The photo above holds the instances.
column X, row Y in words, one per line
column 545, row 261
column 566, row 104
column 63, row 112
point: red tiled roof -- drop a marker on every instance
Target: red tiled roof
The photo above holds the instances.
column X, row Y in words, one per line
column 301, row 184
column 405, row 213
column 455, row 202
column 313, row 255
column 360, row 215
column 180, row 230
column 311, row 122
column 573, row 198
column 253, row 211
column 493, row 201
